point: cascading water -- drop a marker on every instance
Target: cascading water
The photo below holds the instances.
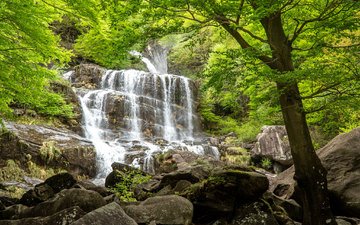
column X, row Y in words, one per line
column 130, row 109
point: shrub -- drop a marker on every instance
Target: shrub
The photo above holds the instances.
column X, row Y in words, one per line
column 124, row 190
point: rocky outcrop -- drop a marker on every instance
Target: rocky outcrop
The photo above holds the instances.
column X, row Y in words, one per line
column 87, row 76
column 70, row 97
column 341, row 158
column 110, row 214
column 53, row 147
column 273, row 144
column 171, row 209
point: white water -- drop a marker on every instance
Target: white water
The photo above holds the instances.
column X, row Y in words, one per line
column 161, row 103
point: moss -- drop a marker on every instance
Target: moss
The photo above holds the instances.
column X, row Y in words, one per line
column 49, row 151
column 13, row 192
column 13, row 171
column 237, row 155
column 195, row 191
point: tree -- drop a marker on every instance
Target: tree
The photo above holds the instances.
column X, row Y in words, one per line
column 282, row 35
column 30, row 54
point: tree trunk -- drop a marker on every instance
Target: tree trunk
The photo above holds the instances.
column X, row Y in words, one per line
column 309, row 172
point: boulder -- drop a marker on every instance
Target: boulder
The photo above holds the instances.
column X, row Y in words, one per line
column 218, row 196
column 273, row 143
column 170, row 209
column 192, row 174
column 48, row 189
column 53, row 147
column 86, row 200
column 88, row 185
column 64, row 217
column 341, row 158
column 110, row 214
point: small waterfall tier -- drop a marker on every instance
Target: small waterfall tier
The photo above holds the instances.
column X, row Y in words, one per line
column 130, row 115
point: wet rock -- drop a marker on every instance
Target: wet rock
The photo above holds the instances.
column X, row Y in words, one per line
column 170, row 209
column 110, row 214
column 60, row 148
column 64, row 217
column 341, row 158
column 273, row 144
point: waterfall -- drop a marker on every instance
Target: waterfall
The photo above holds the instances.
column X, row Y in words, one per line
column 129, row 110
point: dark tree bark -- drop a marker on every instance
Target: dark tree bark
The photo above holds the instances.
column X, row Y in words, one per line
column 309, row 172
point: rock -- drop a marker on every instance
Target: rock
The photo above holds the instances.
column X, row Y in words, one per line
column 60, row 181
column 192, row 174
column 87, row 76
column 273, row 143
column 12, row 211
column 341, row 158
column 70, row 98
column 170, row 209
column 110, row 214
column 7, row 201
column 342, row 220
column 218, row 196
column 61, row 148
column 86, row 200
column 48, row 189
column 256, row 213
column 88, row 185
column 40, row 193
column 64, row 217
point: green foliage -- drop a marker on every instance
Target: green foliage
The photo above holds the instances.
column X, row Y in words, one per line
column 28, row 47
column 124, row 190
column 266, row 163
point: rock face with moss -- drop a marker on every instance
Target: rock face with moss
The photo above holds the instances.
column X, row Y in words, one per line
column 55, row 148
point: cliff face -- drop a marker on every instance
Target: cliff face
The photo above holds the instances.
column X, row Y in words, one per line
column 47, row 146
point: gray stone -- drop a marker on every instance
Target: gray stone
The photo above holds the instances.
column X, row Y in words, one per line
column 273, row 143
column 341, row 159
column 170, row 209
column 64, row 217
column 110, row 214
